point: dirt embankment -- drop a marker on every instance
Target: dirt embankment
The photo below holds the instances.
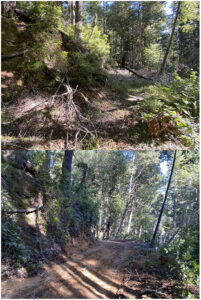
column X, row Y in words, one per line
column 108, row 269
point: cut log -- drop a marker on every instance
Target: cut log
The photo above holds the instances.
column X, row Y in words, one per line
column 137, row 74
column 23, row 211
column 19, row 53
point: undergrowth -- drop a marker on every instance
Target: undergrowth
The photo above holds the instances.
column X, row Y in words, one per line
column 170, row 111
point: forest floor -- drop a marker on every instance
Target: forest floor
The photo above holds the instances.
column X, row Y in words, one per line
column 108, row 269
column 31, row 119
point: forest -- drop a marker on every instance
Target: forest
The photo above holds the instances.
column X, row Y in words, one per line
column 105, row 75
column 100, row 224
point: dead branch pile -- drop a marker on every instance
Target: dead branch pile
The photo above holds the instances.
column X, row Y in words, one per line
column 75, row 121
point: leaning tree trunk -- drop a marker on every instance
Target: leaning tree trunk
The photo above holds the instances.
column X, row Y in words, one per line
column 163, row 205
column 170, row 40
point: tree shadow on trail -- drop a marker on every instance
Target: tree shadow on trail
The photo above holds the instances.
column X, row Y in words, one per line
column 88, row 281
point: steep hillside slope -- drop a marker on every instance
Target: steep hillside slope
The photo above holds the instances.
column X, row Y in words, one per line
column 28, row 240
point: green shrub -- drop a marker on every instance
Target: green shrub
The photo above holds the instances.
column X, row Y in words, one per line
column 86, row 69
column 183, row 94
column 174, row 111
column 89, row 210
column 13, row 245
column 186, row 254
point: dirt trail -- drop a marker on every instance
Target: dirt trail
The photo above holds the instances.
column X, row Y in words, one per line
column 95, row 273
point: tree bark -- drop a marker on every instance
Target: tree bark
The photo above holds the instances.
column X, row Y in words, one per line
column 175, row 208
column 106, row 215
column 67, row 170
column 170, row 41
column 128, row 201
column 7, row 8
column 78, row 21
column 93, row 26
column 72, row 12
column 47, row 162
column 164, row 201
column 131, row 215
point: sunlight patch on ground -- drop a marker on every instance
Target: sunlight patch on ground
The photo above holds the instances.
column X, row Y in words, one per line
column 134, row 98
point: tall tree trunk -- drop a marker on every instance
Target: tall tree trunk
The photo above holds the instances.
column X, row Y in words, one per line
column 108, row 228
column 47, row 162
column 20, row 156
column 128, row 201
column 106, row 215
column 131, row 215
column 170, row 40
column 175, row 208
column 180, row 44
column 104, row 5
column 164, row 201
column 140, row 232
column 73, row 13
column 67, row 171
column 78, row 21
column 93, row 26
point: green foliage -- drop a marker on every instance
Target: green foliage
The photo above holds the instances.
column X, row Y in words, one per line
column 188, row 14
column 172, row 110
column 186, row 253
column 152, row 56
column 89, row 209
column 96, row 41
column 45, row 58
column 188, row 267
column 13, row 244
column 116, row 207
column 59, row 218
column 86, row 69
column 91, row 144
column 46, row 16
column 34, row 268
column 183, row 93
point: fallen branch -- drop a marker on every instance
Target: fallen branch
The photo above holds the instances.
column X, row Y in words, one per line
column 70, row 45
column 23, row 211
column 75, row 121
column 137, row 74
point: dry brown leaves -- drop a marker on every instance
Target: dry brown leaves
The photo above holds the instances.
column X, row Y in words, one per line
column 158, row 125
